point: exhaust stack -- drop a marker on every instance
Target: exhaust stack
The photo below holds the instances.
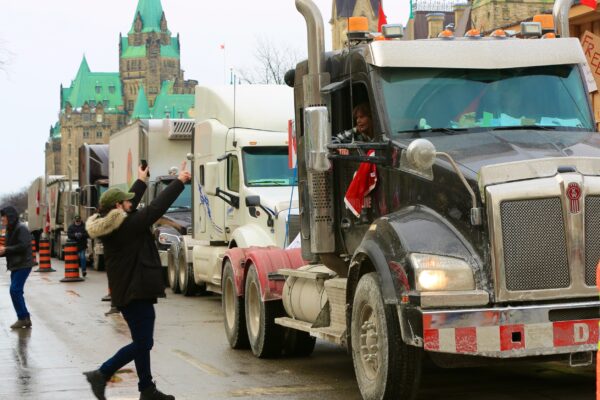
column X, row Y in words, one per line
column 560, row 12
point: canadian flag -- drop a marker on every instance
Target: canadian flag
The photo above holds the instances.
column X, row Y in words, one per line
column 382, row 18
column 362, row 184
column 589, row 3
column 292, row 149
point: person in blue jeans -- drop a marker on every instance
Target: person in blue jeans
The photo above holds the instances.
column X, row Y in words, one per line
column 77, row 233
column 134, row 274
column 19, row 261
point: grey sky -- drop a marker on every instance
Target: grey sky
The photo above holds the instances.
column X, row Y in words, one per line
column 45, row 41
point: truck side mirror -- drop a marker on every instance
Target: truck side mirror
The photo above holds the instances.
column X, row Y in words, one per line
column 211, row 178
column 252, row 202
column 317, row 135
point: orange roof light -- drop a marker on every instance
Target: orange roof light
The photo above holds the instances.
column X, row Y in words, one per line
column 358, row 24
column 446, row 34
column 549, row 35
column 499, row 33
column 473, row 33
column 546, row 20
column 253, row 142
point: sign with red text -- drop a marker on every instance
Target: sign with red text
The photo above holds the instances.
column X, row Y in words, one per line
column 591, row 48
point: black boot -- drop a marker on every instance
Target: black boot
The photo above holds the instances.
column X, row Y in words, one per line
column 22, row 323
column 152, row 393
column 98, row 383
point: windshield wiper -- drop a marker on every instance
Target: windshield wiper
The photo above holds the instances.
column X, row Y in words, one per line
column 282, row 182
column 529, row 127
column 448, row 131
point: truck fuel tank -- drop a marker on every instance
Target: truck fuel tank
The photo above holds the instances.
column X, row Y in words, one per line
column 304, row 292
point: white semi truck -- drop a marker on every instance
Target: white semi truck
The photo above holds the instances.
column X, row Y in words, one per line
column 62, row 200
column 164, row 144
column 244, row 192
column 36, row 207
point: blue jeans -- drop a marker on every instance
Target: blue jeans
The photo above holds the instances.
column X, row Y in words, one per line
column 17, row 283
column 82, row 260
column 140, row 318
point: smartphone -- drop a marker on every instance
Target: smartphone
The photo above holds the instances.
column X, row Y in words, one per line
column 145, row 166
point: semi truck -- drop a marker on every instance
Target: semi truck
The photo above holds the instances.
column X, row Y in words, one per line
column 244, row 192
column 464, row 232
column 62, row 199
column 93, row 181
column 36, row 206
column 164, row 145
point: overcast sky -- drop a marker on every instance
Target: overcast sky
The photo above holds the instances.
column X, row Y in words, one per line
column 45, row 40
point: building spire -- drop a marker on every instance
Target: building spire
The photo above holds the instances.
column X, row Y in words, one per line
column 151, row 14
column 141, row 109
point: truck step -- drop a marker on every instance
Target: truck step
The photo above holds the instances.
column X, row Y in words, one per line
column 334, row 334
column 307, row 274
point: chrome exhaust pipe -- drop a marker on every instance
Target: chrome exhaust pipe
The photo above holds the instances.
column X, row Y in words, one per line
column 316, row 43
column 560, row 12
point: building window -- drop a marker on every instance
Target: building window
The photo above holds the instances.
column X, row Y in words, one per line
column 92, row 103
column 86, row 117
column 98, row 88
column 86, row 134
column 99, row 118
column 69, row 133
column 130, row 104
column 111, row 89
column 98, row 134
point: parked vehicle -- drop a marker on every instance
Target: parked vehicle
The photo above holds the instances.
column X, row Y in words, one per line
column 244, row 192
column 36, row 206
column 478, row 242
column 62, row 198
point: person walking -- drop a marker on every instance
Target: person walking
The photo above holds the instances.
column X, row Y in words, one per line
column 79, row 235
column 135, row 274
column 19, row 261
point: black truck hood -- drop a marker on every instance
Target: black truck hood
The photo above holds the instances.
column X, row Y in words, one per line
column 476, row 150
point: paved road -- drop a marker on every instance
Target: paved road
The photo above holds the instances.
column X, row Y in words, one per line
column 191, row 358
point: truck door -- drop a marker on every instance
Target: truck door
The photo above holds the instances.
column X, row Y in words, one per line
column 232, row 219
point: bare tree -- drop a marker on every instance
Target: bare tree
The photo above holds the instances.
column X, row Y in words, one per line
column 16, row 199
column 272, row 62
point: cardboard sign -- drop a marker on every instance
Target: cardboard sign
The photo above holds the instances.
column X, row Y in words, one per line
column 591, row 48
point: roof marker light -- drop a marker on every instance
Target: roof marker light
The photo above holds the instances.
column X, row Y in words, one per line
column 446, row 34
column 499, row 34
column 473, row 34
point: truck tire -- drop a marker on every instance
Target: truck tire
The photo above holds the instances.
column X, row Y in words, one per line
column 385, row 367
column 233, row 310
column 264, row 335
column 172, row 273
column 298, row 343
column 186, row 276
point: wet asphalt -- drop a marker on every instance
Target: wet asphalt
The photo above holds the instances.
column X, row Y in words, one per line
column 192, row 360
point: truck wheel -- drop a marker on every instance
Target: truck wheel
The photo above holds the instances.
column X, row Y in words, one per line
column 385, row 367
column 298, row 343
column 186, row 276
column 233, row 309
column 172, row 273
column 265, row 336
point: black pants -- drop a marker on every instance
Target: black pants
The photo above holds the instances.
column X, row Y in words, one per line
column 140, row 318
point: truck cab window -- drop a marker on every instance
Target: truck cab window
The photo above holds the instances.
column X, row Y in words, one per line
column 233, row 174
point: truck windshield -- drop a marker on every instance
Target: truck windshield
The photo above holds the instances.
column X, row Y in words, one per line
column 267, row 166
column 424, row 102
column 183, row 201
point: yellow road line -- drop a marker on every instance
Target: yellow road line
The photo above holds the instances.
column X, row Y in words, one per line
column 209, row 369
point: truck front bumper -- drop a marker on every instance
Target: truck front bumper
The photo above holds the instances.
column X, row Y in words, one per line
column 505, row 332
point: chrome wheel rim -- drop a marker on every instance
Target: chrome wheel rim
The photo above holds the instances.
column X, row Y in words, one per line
column 229, row 306
column 182, row 270
column 253, row 309
column 369, row 342
column 171, row 268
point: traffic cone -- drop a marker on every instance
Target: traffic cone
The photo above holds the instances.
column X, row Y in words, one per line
column 34, row 251
column 45, row 264
column 71, row 263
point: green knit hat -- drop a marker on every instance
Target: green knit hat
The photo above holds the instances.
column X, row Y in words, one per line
column 113, row 196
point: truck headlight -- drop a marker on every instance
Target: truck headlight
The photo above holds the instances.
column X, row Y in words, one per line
column 435, row 273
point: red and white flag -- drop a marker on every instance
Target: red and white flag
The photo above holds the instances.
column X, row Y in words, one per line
column 589, row 3
column 292, row 149
column 382, row 18
column 362, row 184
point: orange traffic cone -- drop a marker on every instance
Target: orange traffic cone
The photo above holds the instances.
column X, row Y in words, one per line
column 34, row 251
column 45, row 264
column 71, row 263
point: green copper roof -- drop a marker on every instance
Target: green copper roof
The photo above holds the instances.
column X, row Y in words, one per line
column 151, row 12
column 168, row 51
column 141, row 109
column 94, row 88
column 168, row 105
column 55, row 131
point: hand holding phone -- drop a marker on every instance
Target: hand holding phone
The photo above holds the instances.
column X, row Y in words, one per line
column 144, row 172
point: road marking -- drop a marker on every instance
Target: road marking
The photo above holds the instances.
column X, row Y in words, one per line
column 209, row 369
column 279, row 390
column 73, row 293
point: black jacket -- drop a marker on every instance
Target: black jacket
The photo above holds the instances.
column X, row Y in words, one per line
column 78, row 234
column 132, row 261
column 18, row 242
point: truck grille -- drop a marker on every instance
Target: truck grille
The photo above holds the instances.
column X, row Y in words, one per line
column 534, row 242
column 293, row 228
column 592, row 234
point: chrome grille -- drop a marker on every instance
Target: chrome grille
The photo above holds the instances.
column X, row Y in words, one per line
column 535, row 251
column 592, row 238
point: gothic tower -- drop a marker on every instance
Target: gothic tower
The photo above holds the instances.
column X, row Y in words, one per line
column 491, row 14
column 149, row 55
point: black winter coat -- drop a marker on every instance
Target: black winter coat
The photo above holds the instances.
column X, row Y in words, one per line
column 18, row 242
column 132, row 261
column 78, row 234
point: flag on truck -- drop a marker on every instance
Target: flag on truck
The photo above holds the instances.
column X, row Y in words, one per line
column 589, row 3
column 382, row 18
column 292, row 145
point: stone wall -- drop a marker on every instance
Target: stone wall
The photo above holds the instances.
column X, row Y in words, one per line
column 489, row 14
column 339, row 26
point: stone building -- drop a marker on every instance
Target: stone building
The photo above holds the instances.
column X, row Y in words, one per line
column 97, row 104
column 487, row 15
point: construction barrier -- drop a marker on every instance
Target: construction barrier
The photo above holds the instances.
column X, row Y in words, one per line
column 45, row 263
column 34, row 251
column 71, row 263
